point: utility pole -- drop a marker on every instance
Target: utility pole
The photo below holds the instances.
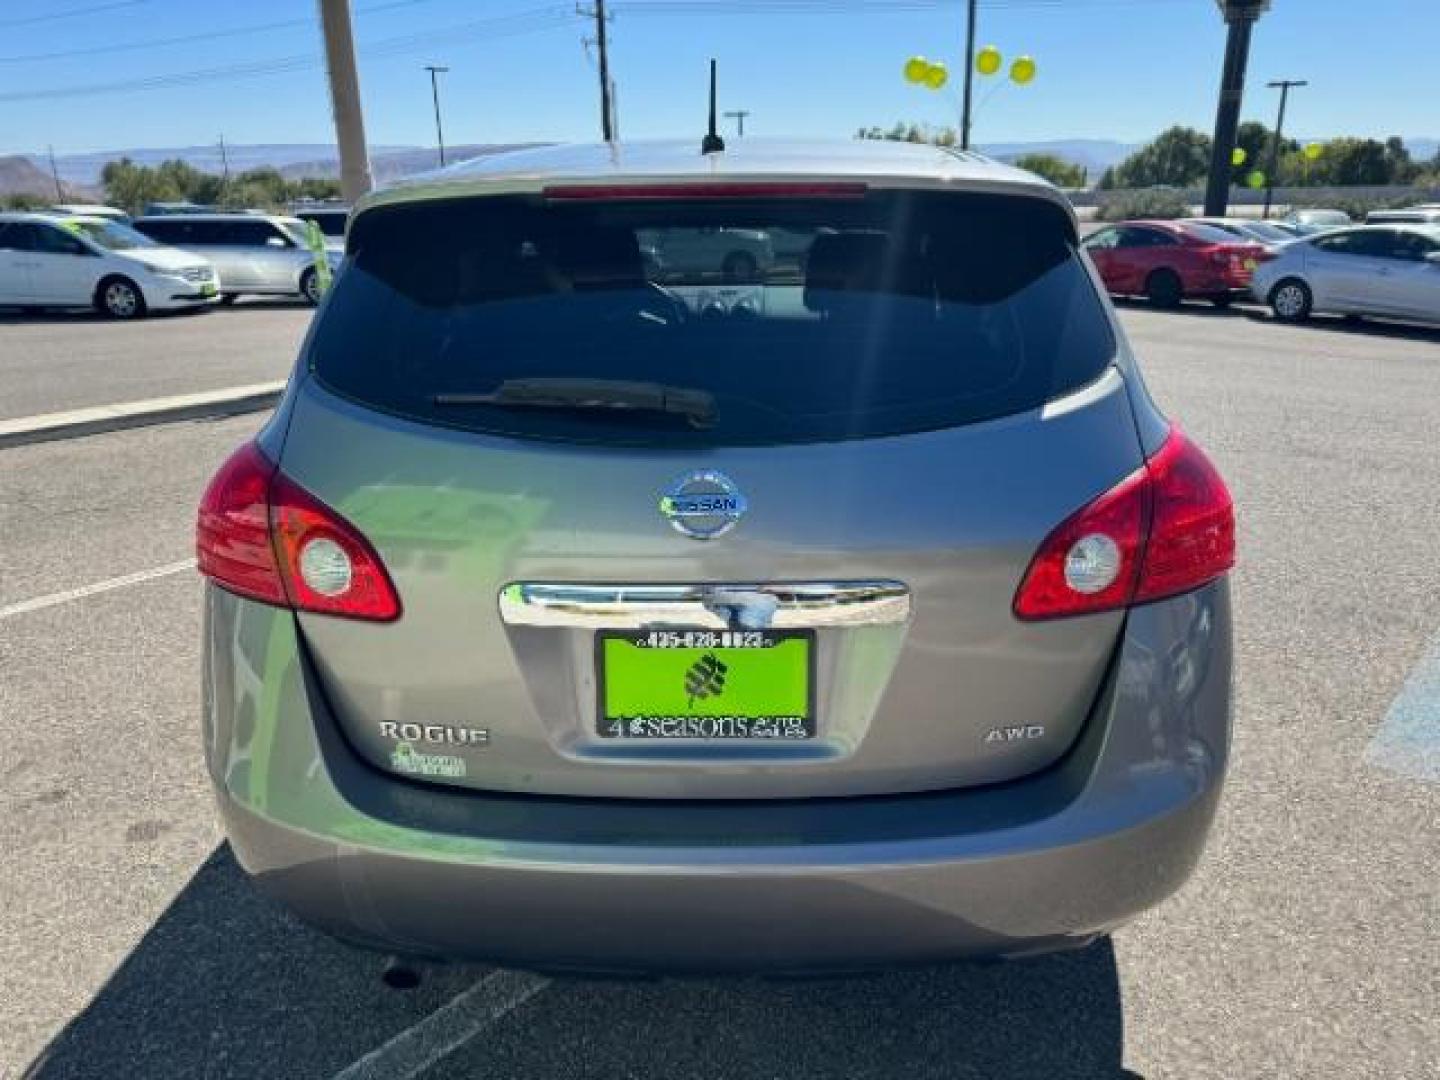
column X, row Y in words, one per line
column 738, row 115
column 355, row 178
column 969, row 75
column 607, row 125
column 55, row 175
column 224, row 167
column 1284, row 86
column 1240, row 17
column 434, row 70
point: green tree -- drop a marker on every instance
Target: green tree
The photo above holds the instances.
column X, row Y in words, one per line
column 316, row 187
column 131, row 186
column 1258, row 141
column 1402, row 169
column 911, row 132
column 1056, row 169
column 1353, row 161
column 1178, row 157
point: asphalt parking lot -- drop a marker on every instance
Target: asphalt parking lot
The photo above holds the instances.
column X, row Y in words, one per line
column 1306, row 945
column 56, row 361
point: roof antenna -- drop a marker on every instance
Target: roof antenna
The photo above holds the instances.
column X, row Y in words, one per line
column 712, row 143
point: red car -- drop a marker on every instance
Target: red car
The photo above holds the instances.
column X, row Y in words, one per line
column 1167, row 261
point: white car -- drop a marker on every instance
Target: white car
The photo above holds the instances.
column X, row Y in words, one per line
column 1392, row 271
column 69, row 262
column 1410, row 215
column 261, row 254
column 110, row 213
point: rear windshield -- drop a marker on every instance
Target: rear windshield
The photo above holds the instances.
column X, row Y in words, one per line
column 756, row 321
column 1211, row 234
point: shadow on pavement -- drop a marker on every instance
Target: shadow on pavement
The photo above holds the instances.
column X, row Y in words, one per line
column 1249, row 309
column 1361, row 327
column 1035, row 1020
column 14, row 316
column 1201, row 308
column 225, row 984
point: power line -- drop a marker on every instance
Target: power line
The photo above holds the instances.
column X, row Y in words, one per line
column 204, row 35
column 503, row 26
column 862, row 7
column 93, row 9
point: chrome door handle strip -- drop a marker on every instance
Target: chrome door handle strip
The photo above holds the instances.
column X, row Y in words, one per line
column 718, row 606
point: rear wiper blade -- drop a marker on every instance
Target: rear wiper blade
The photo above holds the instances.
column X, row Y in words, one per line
column 697, row 406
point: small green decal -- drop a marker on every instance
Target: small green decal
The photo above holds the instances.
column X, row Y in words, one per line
column 406, row 759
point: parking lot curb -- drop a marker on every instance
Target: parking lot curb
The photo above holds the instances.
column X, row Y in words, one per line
column 99, row 419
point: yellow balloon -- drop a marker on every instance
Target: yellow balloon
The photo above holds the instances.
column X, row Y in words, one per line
column 1256, row 179
column 1313, row 151
column 1238, row 156
column 916, row 68
column 937, row 76
column 988, row 60
column 1022, row 70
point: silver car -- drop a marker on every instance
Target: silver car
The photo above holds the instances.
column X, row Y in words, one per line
column 255, row 254
column 1391, row 271
column 1308, row 222
column 552, row 622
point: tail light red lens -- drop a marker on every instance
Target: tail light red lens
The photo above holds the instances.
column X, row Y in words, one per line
column 232, row 530
column 261, row 535
column 1167, row 528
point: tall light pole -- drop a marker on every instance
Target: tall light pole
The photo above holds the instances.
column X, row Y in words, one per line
column 969, row 75
column 355, row 178
column 436, row 69
column 1284, row 86
column 1240, row 16
column 738, row 115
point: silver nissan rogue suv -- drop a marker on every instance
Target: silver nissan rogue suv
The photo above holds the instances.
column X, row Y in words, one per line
column 579, row 611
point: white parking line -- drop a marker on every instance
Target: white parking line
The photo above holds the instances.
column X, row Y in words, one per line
column 41, row 602
column 448, row 1028
column 1408, row 741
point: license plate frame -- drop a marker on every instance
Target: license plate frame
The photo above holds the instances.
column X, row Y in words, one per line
column 712, row 723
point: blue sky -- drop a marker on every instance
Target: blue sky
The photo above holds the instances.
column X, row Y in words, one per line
column 1107, row 68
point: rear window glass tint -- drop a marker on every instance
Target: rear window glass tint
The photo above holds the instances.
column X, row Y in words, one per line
column 801, row 319
column 1210, row 234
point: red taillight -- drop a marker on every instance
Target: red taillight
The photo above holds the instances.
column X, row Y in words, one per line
column 1192, row 525
column 1166, row 528
column 261, row 535
column 232, row 530
column 725, row 190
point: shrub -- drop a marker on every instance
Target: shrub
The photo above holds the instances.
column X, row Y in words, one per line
column 1154, row 203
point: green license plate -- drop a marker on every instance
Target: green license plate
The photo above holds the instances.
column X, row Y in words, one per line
column 207, row 290
column 706, row 684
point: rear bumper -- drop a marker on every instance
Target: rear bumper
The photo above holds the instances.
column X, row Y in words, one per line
column 1040, row 863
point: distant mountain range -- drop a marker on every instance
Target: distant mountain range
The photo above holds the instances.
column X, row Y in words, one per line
column 20, row 176
column 81, row 172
